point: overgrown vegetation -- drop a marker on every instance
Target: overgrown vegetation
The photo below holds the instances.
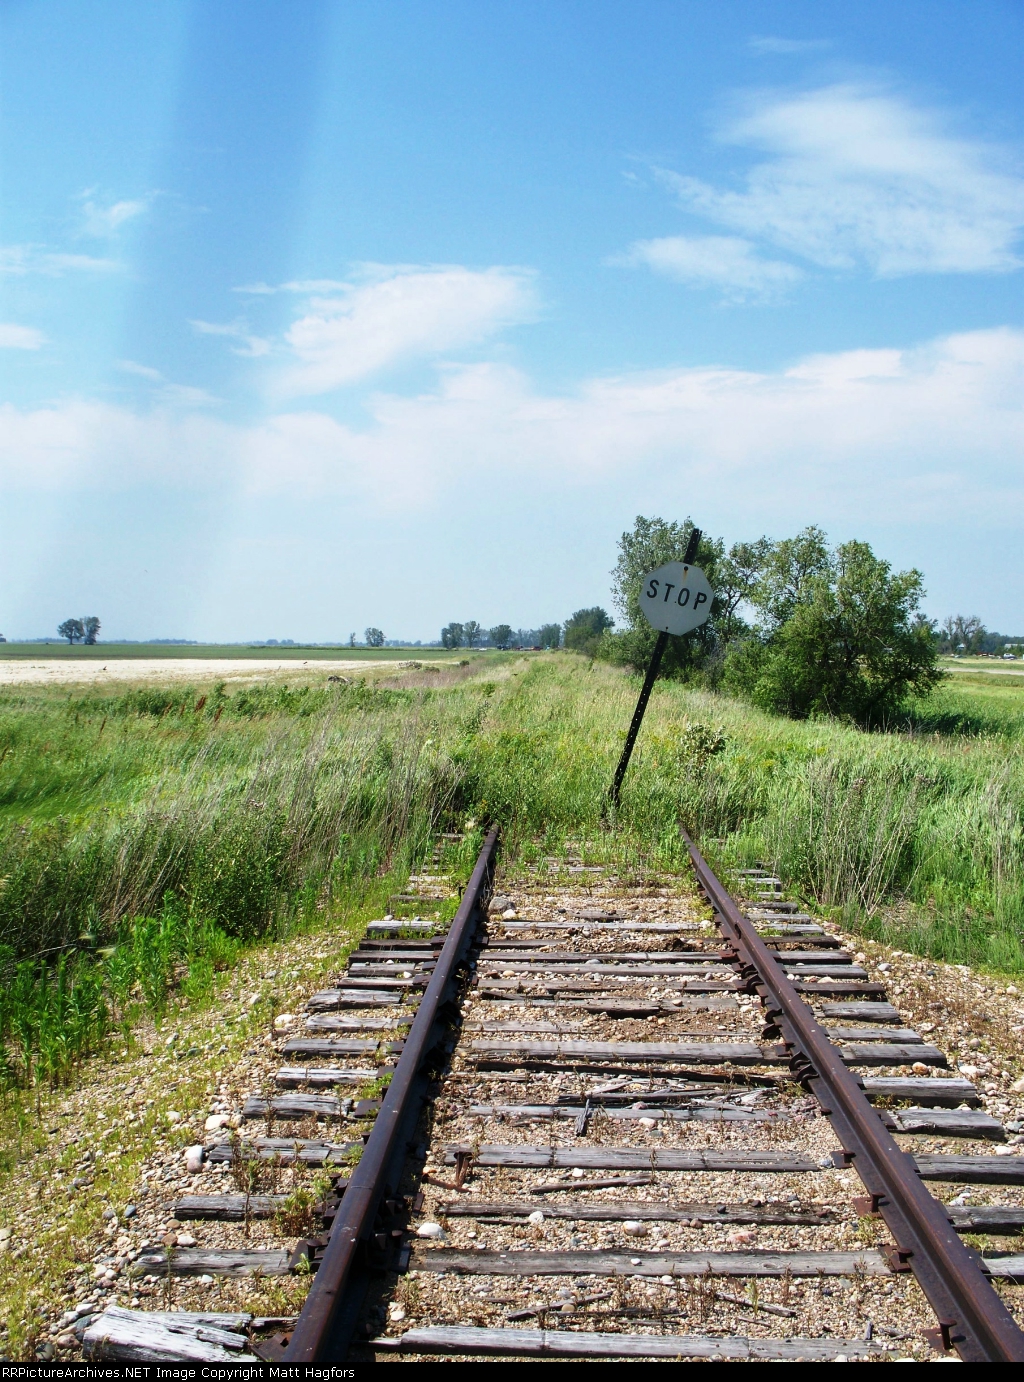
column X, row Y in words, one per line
column 146, row 836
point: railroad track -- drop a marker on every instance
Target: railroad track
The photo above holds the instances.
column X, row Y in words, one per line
column 615, row 1128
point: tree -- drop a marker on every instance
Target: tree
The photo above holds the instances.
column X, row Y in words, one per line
column 651, row 543
column 838, row 634
column 471, row 633
column 550, row 635
column 90, row 628
column 374, row 638
column 71, row 629
column 452, row 636
column 584, row 629
column 963, row 633
column 501, row 635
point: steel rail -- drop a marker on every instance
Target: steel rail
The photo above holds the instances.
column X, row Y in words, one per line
column 327, row 1323
column 971, row 1316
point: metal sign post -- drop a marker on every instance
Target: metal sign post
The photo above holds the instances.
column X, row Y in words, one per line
column 675, row 599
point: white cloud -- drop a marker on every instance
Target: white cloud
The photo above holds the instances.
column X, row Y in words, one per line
column 783, row 47
column 34, row 259
column 252, row 346
column 859, row 177
column 13, row 337
column 714, row 261
column 297, row 285
column 934, row 433
column 103, row 221
column 401, row 314
column 184, row 396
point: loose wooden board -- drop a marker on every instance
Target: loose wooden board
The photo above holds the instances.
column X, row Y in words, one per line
column 482, row 1262
column 630, row 1158
column 613, row 1211
column 571, row 1343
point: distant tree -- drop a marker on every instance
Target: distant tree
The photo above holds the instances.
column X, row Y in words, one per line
column 583, row 630
column 963, row 633
column 501, row 635
column 72, row 630
column 838, row 634
column 374, row 638
column 351, row 640
column 90, row 628
column 550, row 635
column 453, row 636
column 471, row 633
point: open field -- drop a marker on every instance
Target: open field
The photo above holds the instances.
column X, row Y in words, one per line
column 71, row 671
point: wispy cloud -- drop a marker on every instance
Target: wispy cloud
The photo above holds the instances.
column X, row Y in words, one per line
column 297, row 285
column 723, row 262
column 102, row 220
column 183, row 396
column 858, row 177
column 36, row 259
column 401, row 314
column 784, row 47
column 251, row 346
column 13, row 337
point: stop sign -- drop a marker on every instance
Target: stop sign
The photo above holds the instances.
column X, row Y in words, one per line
column 676, row 598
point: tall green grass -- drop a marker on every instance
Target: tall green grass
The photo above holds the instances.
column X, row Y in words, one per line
column 233, row 816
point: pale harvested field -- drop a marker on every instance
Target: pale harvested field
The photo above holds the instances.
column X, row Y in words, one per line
column 59, row 672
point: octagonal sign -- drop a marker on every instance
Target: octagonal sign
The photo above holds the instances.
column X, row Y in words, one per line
column 676, row 598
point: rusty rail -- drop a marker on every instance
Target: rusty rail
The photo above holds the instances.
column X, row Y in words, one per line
column 972, row 1318
column 361, row 1241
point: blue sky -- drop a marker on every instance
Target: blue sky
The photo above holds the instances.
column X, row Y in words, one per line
column 325, row 315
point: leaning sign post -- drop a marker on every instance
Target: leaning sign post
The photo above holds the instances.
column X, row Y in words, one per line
column 675, row 599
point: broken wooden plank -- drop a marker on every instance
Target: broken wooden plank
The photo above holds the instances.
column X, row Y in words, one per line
column 157, row 1336
column 853, row 973
column 761, row 1263
column 571, row 1343
column 725, row 1114
column 630, row 1158
column 212, row 1262
column 696, row 1053
column 826, row 988
column 903, row 1035
column 1008, row 1267
column 330, row 1022
column 829, row 958
column 945, row 1122
column 862, row 1012
column 286, row 1151
column 693, row 959
column 229, row 1208
column 487, row 972
column 924, row 1090
column 972, row 1170
column 290, row 1076
column 294, row 1106
column 612, row 1211
column 986, row 1218
column 598, row 928
column 351, row 1047
column 889, row 1053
